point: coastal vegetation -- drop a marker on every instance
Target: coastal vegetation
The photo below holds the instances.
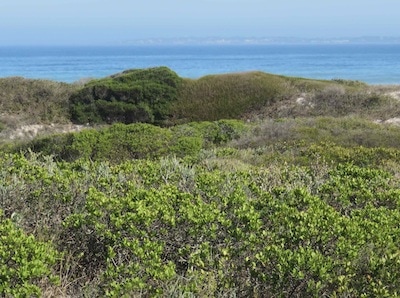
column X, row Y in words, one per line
column 139, row 95
column 235, row 185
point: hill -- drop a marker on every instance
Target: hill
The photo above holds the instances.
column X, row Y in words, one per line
column 160, row 96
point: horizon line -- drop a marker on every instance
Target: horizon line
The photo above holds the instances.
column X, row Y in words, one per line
column 214, row 40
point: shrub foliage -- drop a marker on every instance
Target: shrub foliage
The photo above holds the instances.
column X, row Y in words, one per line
column 120, row 142
column 25, row 263
column 139, row 95
column 169, row 228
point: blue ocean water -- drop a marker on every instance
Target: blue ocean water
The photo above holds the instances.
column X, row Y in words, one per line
column 374, row 64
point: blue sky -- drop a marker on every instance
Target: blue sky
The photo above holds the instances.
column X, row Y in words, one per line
column 72, row 22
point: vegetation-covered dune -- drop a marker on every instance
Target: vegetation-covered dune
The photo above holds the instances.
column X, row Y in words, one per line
column 160, row 96
column 236, row 185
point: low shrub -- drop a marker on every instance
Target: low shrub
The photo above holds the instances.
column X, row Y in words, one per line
column 219, row 132
column 343, row 131
column 241, row 234
column 120, row 142
column 337, row 101
column 25, row 263
column 115, row 143
column 165, row 227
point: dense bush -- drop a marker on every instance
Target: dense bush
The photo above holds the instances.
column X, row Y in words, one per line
column 215, row 133
column 139, row 95
column 120, row 142
column 167, row 228
column 25, row 263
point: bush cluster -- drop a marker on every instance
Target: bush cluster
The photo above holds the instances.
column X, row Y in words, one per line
column 167, row 228
column 120, row 142
column 139, row 95
column 25, row 263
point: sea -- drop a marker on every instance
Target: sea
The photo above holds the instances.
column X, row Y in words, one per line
column 369, row 63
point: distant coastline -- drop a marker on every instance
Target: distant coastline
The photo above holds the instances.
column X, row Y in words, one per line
column 262, row 41
column 221, row 40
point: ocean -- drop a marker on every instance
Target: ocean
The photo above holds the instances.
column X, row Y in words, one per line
column 370, row 63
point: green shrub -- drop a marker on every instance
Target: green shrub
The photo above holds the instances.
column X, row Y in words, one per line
column 219, row 132
column 120, row 142
column 114, row 143
column 350, row 187
column 25, row 263
column 139, row 95
column 166, row 227
column 240, row 233
column 187, row 146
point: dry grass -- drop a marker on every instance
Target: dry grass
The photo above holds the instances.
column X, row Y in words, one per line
column 33, row 101
column 344, row 131
column 228, row 96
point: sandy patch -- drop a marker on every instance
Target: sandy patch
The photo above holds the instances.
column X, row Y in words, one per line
column 28, row 132
column 394, row 121
column 394, row 94
column 302, row 100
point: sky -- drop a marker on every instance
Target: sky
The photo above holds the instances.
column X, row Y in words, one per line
column 97, row 22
